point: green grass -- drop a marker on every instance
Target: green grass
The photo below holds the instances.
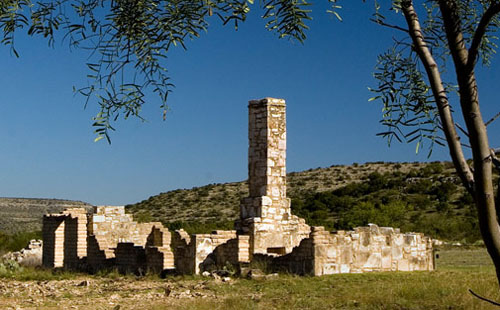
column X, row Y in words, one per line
column 445, row 288
column 37, row 274
column 458, row 270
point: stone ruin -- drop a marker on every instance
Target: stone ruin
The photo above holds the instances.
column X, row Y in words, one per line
column 31, row 255
column 266, row 229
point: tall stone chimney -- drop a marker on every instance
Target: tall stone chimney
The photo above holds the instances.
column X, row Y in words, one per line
column 265, row 215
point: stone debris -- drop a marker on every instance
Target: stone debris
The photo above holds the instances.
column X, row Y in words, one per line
column 110, row 238
column 113, row 292
column 255, row 274
column 29, row 256
column 84, row 283
column 437, row 242
column 206, row 274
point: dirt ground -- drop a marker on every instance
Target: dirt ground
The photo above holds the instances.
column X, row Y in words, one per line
column 91, row 293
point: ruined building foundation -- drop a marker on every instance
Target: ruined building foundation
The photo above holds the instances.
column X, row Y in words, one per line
column 109, row 238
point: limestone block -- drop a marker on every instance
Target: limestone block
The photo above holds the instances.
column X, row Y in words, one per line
column 345, row 268
column 331, row 252
column 403, row 265
column 374, row 261
column 98, row 219
column 329, row 268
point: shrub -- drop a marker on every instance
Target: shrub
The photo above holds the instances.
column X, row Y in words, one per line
column 11, row 243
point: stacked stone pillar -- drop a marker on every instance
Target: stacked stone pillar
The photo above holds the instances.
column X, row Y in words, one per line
column 265, row 215
column 53, row 240
column 65, row 238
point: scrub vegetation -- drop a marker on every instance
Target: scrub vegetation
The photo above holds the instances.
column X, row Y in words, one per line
column 423, row 197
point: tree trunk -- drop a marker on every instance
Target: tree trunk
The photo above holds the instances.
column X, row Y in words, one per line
column 440, row 96
column 469, row 101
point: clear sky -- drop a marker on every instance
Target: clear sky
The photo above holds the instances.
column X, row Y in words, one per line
column 47, row 139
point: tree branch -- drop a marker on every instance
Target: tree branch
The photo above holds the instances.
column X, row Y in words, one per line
column 488, row 15
column 484, row 298
column 462, row 130
column 382, row 23
column 440, row 95
column 492, row 119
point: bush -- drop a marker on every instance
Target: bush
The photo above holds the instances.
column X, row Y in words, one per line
column 197, row 227
column 16, row 242
column 9, row 267
column 392, row 214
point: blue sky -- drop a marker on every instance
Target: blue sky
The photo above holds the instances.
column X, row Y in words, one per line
column 48, row 147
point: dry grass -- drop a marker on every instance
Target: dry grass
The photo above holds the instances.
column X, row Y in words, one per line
column 446, row 288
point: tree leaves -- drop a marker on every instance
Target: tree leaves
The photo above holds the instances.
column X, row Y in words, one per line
column 406, row 97
column 128, row 41
column 287, row 17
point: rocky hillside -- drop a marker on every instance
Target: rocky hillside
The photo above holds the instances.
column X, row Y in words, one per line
column 424, row 197
column 221, row 201
column 25, row 214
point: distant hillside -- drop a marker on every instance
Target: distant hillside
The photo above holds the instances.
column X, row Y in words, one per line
column 214, row 202
column 25, row 214
column 424, row 197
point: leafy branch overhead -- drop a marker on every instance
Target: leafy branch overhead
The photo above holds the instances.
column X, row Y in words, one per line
column 410, row 109
column 128, row 40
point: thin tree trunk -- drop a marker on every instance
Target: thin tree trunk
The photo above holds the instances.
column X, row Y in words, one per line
column 440, row 96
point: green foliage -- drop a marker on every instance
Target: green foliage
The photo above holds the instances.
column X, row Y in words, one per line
column 9, row 267
column 143, row 216
column 392, row 214
column 11, row 270
column 129, row 40
column 414, row 193
column 406, row 97
column 199, row 227
column 15, row 242
column 416, row 201
column 409, row 104
column 287, row 18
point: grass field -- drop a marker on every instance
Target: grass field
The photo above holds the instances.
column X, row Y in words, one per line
column 446, row 288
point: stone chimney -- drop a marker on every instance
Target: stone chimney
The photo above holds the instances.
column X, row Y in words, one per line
column 265, row 215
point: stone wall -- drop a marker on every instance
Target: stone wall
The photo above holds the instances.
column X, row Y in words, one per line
column 200, row 252
column 110, row 239
column 30, row 256
column 364, row 249
column 53, row 240
column 115, row 239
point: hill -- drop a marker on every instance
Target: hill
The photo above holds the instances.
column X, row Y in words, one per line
column 426, row 197
column 214, row 202
column 25, row 214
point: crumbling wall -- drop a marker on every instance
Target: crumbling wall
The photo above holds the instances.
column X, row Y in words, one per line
column 115, row 239
column 364, row 249
column 110, row 239
column 199, row 252
column 53, row 240
column 30, row 256
column 183, row 252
